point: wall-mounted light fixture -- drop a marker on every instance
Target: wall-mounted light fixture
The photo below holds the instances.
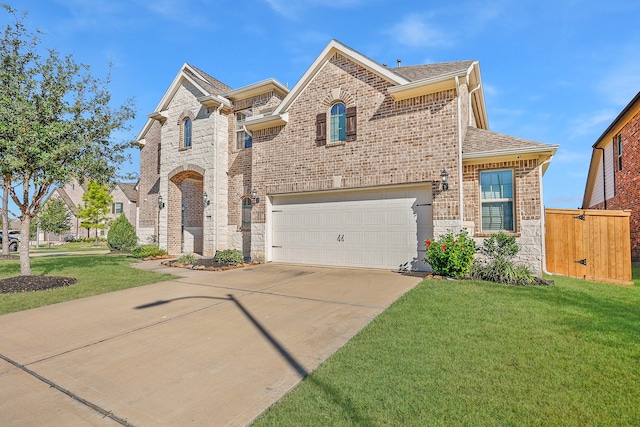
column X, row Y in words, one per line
column 254, row 196
column 444, row 175
column 160, row 203
column 205, row 198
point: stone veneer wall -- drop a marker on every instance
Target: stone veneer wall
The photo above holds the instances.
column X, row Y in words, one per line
column 198, row 161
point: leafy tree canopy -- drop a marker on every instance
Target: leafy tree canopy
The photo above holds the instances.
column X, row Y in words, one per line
column 97, row 203
column 56, row 122
column 54, row 217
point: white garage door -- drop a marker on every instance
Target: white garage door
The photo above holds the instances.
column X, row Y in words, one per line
column 379, row 228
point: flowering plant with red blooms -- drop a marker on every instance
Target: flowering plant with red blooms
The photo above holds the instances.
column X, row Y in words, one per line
column 451, row 254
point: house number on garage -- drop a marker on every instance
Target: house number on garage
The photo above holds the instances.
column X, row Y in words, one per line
column 340, row 237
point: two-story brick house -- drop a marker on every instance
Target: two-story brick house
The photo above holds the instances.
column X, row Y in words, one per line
column 613, row 181
column 124, row 195
column 345, row 169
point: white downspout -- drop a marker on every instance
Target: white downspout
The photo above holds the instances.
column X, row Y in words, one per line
column 471, row 93
column 543, row 218
column 461, row 201
column 215, row 180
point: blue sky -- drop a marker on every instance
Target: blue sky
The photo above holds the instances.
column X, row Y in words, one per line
column 556, row 72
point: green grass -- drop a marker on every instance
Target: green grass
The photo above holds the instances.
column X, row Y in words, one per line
column 481, row 354
column 96, row 274
column 69, row 247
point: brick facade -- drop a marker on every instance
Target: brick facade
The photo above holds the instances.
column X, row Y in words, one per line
column 627, row 181
column 398, row 140
column 622, row 185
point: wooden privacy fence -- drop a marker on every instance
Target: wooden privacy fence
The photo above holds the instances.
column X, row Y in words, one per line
column 589, row 244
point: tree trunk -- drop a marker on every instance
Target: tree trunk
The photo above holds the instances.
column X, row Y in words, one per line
column 25, row 263
column 5, row 217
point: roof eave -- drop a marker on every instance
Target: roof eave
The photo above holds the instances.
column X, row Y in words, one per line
column 256, row 89
column 265, row 122
column 425, row 86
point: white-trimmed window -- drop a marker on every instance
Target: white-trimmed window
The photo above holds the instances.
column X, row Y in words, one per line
column 186, row 133
column 338, row 123
column 117, row 208
column 243, row 137
column 246, row 213
column 618, row 141
column 496, row 200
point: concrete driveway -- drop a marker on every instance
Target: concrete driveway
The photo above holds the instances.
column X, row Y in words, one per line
column 210, row 348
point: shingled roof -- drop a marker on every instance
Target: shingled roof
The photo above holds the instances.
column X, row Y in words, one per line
column 427, row 71
column 484, row 143
column 67, row 200
column 211, row 84
column 129, row 190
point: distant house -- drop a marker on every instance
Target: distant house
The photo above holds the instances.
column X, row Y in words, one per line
column 124, row 195
column 357, row 165
column 613, row 181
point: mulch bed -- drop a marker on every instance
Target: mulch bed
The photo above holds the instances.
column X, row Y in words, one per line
column 33, row 283
column 208, row 264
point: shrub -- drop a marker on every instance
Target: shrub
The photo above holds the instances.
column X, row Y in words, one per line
column 229, row 256
column 145, row 251
column 122, row 235
column 496, row 263
column 451, row 254
column 187, row 259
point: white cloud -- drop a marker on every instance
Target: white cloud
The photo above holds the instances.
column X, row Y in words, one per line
column 588, row 125
column 566, row 156
column 415, row 31
column 293, row 9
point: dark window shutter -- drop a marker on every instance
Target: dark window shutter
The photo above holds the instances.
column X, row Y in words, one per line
column 321, row 129
column 352, row 124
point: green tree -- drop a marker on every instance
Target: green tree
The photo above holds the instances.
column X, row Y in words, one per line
column 122, row 235
column 97, row 203
column 56, row 122
column 54, row 217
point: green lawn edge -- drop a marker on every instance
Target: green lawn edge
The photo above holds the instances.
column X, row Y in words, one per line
column 477, row 353
column 96, row 274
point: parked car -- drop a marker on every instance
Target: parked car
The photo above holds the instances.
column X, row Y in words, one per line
column 14, row 240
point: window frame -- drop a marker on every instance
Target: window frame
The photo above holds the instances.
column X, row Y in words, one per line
column 341, row 119
column 504, row 200
column 618, row 147
column 244, row 139
column 187, row 128
column 115, row 207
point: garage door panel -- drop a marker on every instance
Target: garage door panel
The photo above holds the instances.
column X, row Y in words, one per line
column 381, row 228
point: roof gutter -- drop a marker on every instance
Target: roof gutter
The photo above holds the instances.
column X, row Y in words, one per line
column 460, row 198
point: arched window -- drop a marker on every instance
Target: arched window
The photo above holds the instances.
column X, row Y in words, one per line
column 186, row 133
column 246, row 213
column 338, row 123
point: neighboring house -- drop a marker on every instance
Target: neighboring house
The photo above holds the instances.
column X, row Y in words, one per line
column 613, row 181
column 124, row 201
column 344, row 169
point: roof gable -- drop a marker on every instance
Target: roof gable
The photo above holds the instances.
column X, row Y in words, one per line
column 210, row 88
column 325, row 56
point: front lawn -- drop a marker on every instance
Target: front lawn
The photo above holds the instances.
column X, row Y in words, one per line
column 96, row 274
column 477, row 354
column 69, row 247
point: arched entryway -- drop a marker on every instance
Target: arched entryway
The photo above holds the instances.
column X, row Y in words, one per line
column 185, row 210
